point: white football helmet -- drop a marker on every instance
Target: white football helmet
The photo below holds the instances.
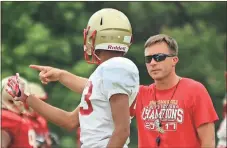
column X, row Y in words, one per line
column 37, row 90
column 107, row 29
column 8, row 102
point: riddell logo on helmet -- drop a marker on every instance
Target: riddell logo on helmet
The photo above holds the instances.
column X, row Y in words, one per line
column 117, row 47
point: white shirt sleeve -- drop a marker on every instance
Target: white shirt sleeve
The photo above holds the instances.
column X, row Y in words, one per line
column 120, row 80
column 221, row 134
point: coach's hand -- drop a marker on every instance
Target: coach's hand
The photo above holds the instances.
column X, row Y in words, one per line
column 47, row 74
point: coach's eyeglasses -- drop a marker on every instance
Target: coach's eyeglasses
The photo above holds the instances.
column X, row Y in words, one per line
column 158, row 57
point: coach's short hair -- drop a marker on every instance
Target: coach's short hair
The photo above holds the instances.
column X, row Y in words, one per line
column 171, row 42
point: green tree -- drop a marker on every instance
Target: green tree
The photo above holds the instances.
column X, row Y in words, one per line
column 51, row 33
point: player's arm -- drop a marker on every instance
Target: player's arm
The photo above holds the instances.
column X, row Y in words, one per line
column 120, row 113
column 68, row 120
column 49, row 74
column 73, row 82
column 6, row 139
column 20, row 91
column 204, row 116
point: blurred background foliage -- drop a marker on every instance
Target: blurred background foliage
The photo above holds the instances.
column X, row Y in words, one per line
column 51, row 33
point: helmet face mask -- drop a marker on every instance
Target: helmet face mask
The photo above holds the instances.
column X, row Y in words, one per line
column 89, row 52
column 107, row 29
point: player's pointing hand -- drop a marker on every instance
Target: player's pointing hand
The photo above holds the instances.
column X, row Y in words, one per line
column 47, row 74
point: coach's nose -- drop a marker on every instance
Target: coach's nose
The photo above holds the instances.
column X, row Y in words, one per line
column 153, row 62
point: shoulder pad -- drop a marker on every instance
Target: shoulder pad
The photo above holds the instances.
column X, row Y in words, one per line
column 10, row 119
column 120, row 63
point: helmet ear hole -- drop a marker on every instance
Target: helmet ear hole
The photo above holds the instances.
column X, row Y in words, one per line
column 11, row 101
column 101, row 22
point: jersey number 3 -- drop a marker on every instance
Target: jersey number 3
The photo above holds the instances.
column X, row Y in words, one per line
column 87, row 99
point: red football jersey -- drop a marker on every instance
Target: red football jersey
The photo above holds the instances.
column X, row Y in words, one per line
column 190, row 107
column 17, row 127
column 38, row 130
column 24, row 130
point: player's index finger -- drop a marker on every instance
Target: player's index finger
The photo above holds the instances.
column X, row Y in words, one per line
column 37, row 67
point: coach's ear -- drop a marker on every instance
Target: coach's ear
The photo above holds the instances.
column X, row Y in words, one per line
column 175, row 61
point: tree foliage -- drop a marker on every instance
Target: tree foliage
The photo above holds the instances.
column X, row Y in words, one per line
column 51, row 33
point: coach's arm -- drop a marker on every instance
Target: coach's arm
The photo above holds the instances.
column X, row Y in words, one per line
column 206, row 133
column 204, row 116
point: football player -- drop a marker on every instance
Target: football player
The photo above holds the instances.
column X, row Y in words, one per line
column 103, row 113
column 11, row 115
column 21, row 126
column 221, row 133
